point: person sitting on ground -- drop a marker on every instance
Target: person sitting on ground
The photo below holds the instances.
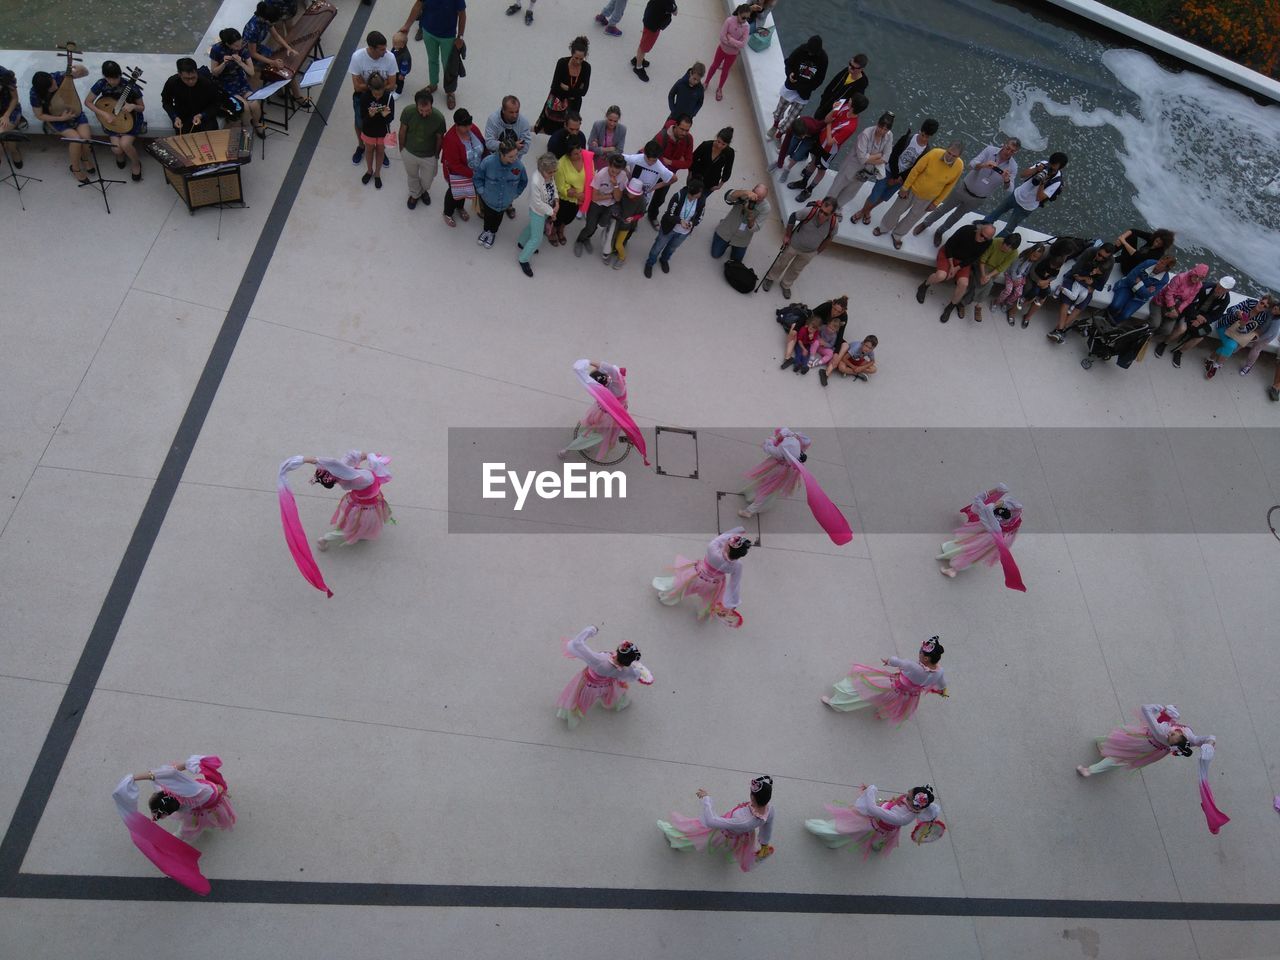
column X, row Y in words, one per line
column 232, row 67
column 1197, row 321
column 608, row 136
column 834, row 314
column 802, row 341
column 747, row 210
column 955, row 261
column 991, row 266
column 860, row 362
column 191, row 99
column 686, row 94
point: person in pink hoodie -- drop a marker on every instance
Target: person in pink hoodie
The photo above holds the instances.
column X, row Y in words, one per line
column 1167, row 305
column 733, row 37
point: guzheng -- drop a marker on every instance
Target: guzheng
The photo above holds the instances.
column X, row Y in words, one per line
column 204, row 167
column 304, row 37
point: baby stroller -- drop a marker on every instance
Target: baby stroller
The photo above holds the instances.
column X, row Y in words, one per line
column 1107, row 341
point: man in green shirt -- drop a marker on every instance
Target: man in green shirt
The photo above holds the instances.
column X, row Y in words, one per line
column 421, row 129
column 998, row 258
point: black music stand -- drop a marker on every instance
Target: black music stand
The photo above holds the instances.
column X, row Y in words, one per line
column 14, row 178
column 99, row 181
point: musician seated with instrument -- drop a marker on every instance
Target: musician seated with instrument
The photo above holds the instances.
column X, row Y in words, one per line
column 11, row 118
column 191, row 99
column 263, row 40
column 103, row 99
column 71, row 125
column 232, row 68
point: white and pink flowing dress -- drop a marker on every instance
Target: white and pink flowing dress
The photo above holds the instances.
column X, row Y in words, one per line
column 872, row 827
column 715, row 580
column 597, row 428
column 200, row 790
column 601, row 681
column 363, row 511
column 972, row 541
column 738, row 835
column 1136, row 745
column 895, row 693
column 777, row 476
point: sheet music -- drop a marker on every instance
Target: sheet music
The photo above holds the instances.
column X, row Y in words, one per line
column 316, row 72
column 268, row 90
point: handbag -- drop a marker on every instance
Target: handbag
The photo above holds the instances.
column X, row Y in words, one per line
column 555, row 108
column 461, row 187
column 761, row 39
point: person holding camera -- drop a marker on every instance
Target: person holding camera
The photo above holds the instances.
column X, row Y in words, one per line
column 993, row 170
column 1042, row 185
column 747, row 210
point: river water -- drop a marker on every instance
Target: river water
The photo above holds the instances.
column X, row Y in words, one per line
column 1148, row 146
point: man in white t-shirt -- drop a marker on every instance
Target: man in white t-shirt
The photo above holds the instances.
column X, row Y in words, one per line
column 1041, row 186
column 375, row 58
column 649, row 168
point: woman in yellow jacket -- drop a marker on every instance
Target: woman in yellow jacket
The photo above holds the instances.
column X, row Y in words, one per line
column 926, row 186
column 571, row 185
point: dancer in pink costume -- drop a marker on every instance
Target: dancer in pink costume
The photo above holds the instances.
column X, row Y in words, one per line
column 991, row 524
column 742, row 834
column 196, row 793
column 1157, row 735
column 604, row 679
column 776, row 476
column 716, row 579
column 894, row 693
column 363, row 510
column 874, row 826
column 597, row 428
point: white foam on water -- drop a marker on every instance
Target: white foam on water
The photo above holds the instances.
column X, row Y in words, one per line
column 1203, row 160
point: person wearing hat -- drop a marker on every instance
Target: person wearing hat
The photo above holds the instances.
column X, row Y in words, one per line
column 993, row 170
column 1196, row 321
column 630, row 210
column 866, row 162
column 1168, row 304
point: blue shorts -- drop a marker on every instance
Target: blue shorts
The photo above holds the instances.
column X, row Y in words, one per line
column 1227, row 347
column 882, row 191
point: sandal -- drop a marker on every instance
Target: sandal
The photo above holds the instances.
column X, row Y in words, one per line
column 450, row 221
column 897, row 245
column 463, row 215
column 960, row 310
column 451, row 101
column 866, row 218
column 719, row 94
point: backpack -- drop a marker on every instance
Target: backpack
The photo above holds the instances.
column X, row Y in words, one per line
column 792, row 313
column 739, row 276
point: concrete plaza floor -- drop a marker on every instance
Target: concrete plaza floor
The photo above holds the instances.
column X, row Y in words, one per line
column 403, row 786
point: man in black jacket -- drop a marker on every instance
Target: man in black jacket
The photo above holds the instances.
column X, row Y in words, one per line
column 684, row 212
column 956, row 259
column 805, row 69
column 191, row 99
column 844, row 85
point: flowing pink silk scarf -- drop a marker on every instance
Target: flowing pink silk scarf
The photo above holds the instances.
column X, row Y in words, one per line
column 175, row 858
column 295, row 536
column 1212, row 815
column 588, row 171
column 1012, row 575
column 620, row 416
column 824, row 511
